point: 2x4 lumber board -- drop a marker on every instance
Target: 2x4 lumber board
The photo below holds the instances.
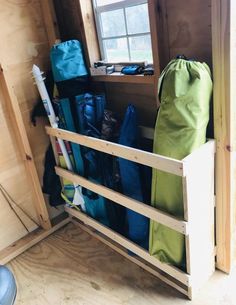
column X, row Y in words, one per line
column 171, row 270
column 223, row 23
column 138, row 261
column 137, row 206
column 50, row 21
column 163, row 34
column 121, row 78
column 166, row 164
column 88, row 32
column 153, row 17
column 233, row 159
column 24, row 147
column 30, row 240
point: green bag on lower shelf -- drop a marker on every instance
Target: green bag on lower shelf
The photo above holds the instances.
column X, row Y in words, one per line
column 184, row 89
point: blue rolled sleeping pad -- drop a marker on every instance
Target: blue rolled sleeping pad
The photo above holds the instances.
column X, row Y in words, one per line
column 131, row 180
column 89, row 112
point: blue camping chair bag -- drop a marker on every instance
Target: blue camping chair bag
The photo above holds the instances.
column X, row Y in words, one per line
column 69, row 70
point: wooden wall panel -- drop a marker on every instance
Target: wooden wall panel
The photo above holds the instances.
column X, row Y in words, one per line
column 67, row 12
column 189, row 28
column 24, row 41
column 14, row 179
column 184, row 28
column 142, row 96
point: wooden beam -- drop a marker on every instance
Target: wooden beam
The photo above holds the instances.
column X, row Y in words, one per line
column 30, row 240
column 50, row 21
column 132, row 154
column 137, row 206
column 121, row 78
column 135, row 259
column 223, row 48
column 153, row 17
column 118, row 238
column 163, row 34
column 233, row 115
column 24, row 147
column 88, row 32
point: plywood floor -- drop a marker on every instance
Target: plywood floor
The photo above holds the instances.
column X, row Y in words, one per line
column 72, row 268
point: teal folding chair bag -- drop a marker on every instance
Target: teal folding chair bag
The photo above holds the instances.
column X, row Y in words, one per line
column 67, row 61
column 185, row 89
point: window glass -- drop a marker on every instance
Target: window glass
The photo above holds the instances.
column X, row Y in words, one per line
column 113, row 23
column 137, row 19
column 116, row 49
column 141, row 48
column 105, row 2
column 123, row 30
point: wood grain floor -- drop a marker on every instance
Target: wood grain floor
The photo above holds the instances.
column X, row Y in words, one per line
column 72, row 268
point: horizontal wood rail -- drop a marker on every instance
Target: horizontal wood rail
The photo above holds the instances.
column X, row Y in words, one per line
column 135, row 259
column 162, row 163
column 121, row 78
column 137, row 206
column 31, row 239
column 124, row 242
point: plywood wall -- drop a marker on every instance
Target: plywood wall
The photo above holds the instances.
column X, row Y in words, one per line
column 184, row 28
column 189, row 29
column 23, row 42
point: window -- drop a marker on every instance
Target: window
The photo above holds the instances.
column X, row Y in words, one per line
column 123, row 30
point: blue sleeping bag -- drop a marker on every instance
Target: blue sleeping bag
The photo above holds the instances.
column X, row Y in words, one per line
column 131, row 180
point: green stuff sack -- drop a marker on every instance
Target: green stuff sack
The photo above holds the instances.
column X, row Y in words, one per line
column 184, row 89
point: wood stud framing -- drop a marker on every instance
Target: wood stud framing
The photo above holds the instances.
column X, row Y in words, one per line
column 31, row 239
column 50, row 21
column 224, row 69
column 24, row 146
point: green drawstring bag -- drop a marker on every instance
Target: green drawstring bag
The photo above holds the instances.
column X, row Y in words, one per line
column 184, row 89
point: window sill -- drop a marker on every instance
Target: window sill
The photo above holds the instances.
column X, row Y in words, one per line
column 121, row 78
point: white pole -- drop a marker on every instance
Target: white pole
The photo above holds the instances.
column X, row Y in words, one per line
column 39, row 80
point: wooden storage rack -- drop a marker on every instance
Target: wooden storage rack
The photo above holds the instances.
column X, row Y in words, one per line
column 197, row 172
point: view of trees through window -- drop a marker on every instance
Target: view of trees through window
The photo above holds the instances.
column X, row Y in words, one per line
column 123, row 30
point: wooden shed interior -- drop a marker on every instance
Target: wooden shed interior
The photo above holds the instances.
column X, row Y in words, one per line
column 204, row 30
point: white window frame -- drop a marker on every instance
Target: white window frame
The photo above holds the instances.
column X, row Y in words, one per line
column 114, row 6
